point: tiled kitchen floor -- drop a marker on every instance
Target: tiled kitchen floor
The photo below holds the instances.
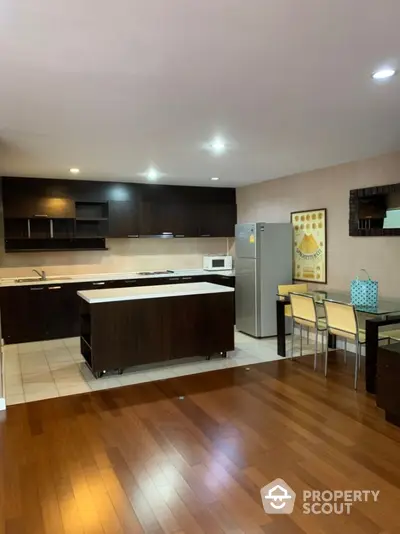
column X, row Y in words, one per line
column 42, row 370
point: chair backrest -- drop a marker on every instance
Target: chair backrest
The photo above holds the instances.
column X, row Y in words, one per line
column 303, row 309
column 292, row 288
column 341, row 318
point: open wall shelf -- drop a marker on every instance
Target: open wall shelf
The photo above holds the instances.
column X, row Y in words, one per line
column 55, row 244
column 86, row 231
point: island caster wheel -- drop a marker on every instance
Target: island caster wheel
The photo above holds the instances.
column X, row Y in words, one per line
column 120, row 371
column 99, row 374
column 208, row 357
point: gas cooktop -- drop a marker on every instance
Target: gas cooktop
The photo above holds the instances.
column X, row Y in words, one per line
column 146, row 273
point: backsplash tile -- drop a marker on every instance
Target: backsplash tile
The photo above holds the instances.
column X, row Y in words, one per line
column 124, row 255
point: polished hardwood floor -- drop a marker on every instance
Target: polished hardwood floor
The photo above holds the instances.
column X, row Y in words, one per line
column 190, row 454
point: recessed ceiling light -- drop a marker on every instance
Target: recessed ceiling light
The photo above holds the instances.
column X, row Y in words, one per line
column 218, row 145
column 74, row 170
column 152, row 174
column 215, row 178
column 384, row 74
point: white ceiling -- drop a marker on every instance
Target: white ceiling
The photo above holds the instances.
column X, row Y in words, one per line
column 112, row 87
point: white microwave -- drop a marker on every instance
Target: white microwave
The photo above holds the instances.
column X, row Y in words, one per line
column 217, row 263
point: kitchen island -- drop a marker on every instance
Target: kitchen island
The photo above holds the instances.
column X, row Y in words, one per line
column 124, row 327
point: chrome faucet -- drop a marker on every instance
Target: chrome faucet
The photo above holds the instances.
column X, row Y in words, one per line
column 42, row 274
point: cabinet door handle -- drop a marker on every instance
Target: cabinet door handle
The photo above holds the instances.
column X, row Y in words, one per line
column 40, row 215
column 133, row 235
column 130, row 281
column 205, row 235
column 36, row 288
column 55, row 287
column 172, row 279
column 179, row 235
column 98, row 283
column 187, row 278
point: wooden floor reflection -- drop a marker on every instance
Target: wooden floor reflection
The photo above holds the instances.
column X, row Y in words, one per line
column 190, row 454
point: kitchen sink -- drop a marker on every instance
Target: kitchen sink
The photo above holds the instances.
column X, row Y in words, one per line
column 22, row 280
column 37, row 279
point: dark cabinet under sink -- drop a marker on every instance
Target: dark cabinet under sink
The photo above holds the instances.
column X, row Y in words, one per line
column 38, row 312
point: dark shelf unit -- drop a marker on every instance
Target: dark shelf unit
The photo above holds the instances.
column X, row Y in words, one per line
column 91, row 219
column 90, row 229
column 16, row 228
column 63, row 228
column 91, row 211
column 55, row 244
column 85, row 332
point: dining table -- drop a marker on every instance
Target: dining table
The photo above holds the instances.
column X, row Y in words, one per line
column 385, row 313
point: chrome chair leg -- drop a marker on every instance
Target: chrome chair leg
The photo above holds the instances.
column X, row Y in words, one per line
column 316, row 349
column 292, row 347
column 345, row 351
column 301, row 340
column 326, row 356
column 356, row 364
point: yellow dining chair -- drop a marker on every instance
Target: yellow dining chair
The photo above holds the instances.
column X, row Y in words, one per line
column 342, row 321
column 285, row 290
column 304, row 313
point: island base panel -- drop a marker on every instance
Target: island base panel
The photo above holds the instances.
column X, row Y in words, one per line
column 128, row 333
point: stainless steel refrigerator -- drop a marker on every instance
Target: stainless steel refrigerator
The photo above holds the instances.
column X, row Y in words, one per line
column 263, row 260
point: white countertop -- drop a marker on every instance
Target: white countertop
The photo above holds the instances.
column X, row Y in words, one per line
column 100, row 277
column 95, row 296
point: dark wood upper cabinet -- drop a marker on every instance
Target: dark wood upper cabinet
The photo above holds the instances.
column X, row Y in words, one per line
column 30, row 198
column 216, row 220
column 124, row 210
column 168, row 219
column 80, row 209
column 123, row 218
column 168, row 211
column 39, row 207
column 188, row 212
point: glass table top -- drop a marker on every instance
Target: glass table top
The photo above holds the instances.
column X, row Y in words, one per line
column 385, row 306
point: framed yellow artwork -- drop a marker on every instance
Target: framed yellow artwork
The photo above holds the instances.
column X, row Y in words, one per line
column 309, row 246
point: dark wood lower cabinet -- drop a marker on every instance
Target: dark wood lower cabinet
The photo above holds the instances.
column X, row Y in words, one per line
column 51, row 311
column 39, row 312
column 116, row 335
column 388, row 372
column 227, row 281
column 21, row 314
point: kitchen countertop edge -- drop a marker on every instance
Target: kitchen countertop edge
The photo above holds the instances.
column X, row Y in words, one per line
column 98, row 296
column 109, row 277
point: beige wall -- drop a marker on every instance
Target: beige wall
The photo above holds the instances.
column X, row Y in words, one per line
column 124, row 255
column 272, row 201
